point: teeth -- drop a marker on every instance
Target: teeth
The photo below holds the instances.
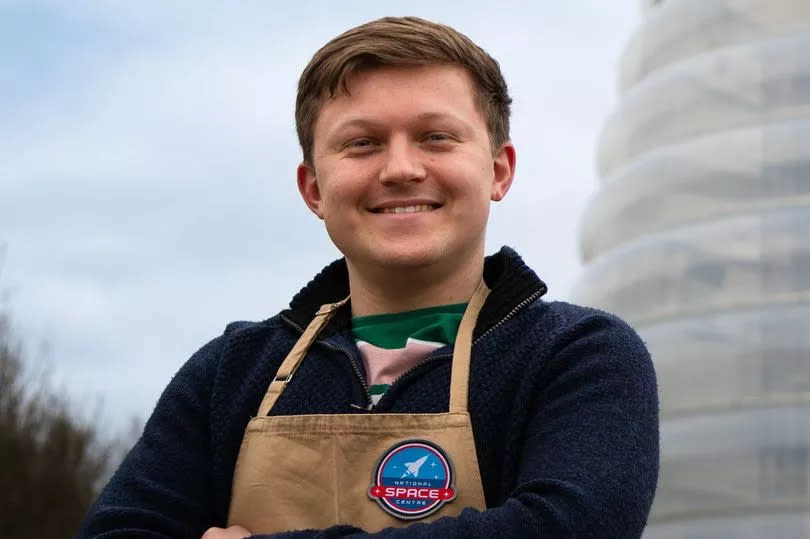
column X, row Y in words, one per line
column 408, row 209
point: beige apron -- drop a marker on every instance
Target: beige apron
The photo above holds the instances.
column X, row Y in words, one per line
column 367, row 470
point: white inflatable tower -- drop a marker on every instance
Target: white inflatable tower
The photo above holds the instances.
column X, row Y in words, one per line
column 700, row 237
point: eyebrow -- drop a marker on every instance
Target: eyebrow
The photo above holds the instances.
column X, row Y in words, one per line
column 373, row 122
column 356, row 122
column 439, row 116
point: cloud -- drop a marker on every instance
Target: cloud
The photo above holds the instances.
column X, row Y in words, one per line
column 148, row 192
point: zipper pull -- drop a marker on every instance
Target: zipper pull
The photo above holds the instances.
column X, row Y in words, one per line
column 364, row 408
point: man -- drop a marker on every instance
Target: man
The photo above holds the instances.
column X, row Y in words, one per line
column 414, row 388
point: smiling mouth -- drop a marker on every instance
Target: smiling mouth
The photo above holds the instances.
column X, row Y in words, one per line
column 415, row 208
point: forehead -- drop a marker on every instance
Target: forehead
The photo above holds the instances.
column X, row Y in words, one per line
column 368, row 80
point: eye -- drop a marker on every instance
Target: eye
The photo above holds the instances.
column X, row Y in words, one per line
column 359, row 144
column 437, row 137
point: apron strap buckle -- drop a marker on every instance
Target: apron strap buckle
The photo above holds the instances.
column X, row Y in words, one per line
column 279, row 383
column 283, row 379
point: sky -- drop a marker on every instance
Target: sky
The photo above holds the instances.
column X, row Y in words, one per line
column 148, row 155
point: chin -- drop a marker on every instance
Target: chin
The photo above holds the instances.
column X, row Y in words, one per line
column 413, row 260
column 406, row 258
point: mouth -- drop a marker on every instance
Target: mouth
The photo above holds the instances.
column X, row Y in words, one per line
column 406, row 208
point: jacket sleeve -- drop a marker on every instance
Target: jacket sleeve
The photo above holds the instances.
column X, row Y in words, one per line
column 163, row 487
column 589, row 464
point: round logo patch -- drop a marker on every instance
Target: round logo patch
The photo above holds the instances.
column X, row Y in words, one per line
column 413, row 479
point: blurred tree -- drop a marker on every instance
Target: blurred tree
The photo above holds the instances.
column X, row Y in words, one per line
column 52, row 464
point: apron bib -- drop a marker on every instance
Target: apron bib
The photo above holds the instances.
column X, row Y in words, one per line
column 369, row 470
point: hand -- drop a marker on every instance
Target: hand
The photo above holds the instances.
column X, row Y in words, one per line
column 234, row 532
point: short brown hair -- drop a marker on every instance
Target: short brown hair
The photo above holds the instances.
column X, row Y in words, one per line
column 399, row 41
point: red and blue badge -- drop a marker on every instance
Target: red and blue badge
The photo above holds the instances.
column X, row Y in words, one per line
column 413, row 479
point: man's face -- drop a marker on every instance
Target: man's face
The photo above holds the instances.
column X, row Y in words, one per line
column 403, row 170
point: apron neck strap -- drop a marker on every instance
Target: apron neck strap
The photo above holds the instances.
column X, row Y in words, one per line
column 293, row 359
column 460, row 373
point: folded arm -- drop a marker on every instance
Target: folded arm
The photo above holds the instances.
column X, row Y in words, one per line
column 163, row 488
column 590, row 459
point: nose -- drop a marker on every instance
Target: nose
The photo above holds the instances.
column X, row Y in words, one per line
column 403, row 162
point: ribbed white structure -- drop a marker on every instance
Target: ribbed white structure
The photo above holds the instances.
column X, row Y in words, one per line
column 700, row 238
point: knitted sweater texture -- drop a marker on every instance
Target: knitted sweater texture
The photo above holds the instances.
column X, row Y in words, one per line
column 562, row 398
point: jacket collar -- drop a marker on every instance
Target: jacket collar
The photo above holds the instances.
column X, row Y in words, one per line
column 510, row 280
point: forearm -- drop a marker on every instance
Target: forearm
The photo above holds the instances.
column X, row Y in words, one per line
column 522, row 516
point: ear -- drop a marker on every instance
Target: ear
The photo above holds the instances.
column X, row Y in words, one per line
column 503, row 167
column 308, row 187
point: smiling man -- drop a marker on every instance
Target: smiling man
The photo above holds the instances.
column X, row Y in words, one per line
column 413, row 388
column 402, row 173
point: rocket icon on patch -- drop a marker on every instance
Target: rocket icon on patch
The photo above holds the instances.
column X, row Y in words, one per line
column 413, row 467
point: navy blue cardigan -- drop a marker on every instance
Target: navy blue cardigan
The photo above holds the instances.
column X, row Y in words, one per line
column 563, row 403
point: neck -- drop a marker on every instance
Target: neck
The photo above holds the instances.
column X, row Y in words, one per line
column 382, row 291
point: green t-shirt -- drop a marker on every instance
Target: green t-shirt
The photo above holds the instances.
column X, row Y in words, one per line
column 390, row 344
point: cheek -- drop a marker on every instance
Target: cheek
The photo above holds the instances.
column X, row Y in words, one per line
column 477, row 175
column 342, row 198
